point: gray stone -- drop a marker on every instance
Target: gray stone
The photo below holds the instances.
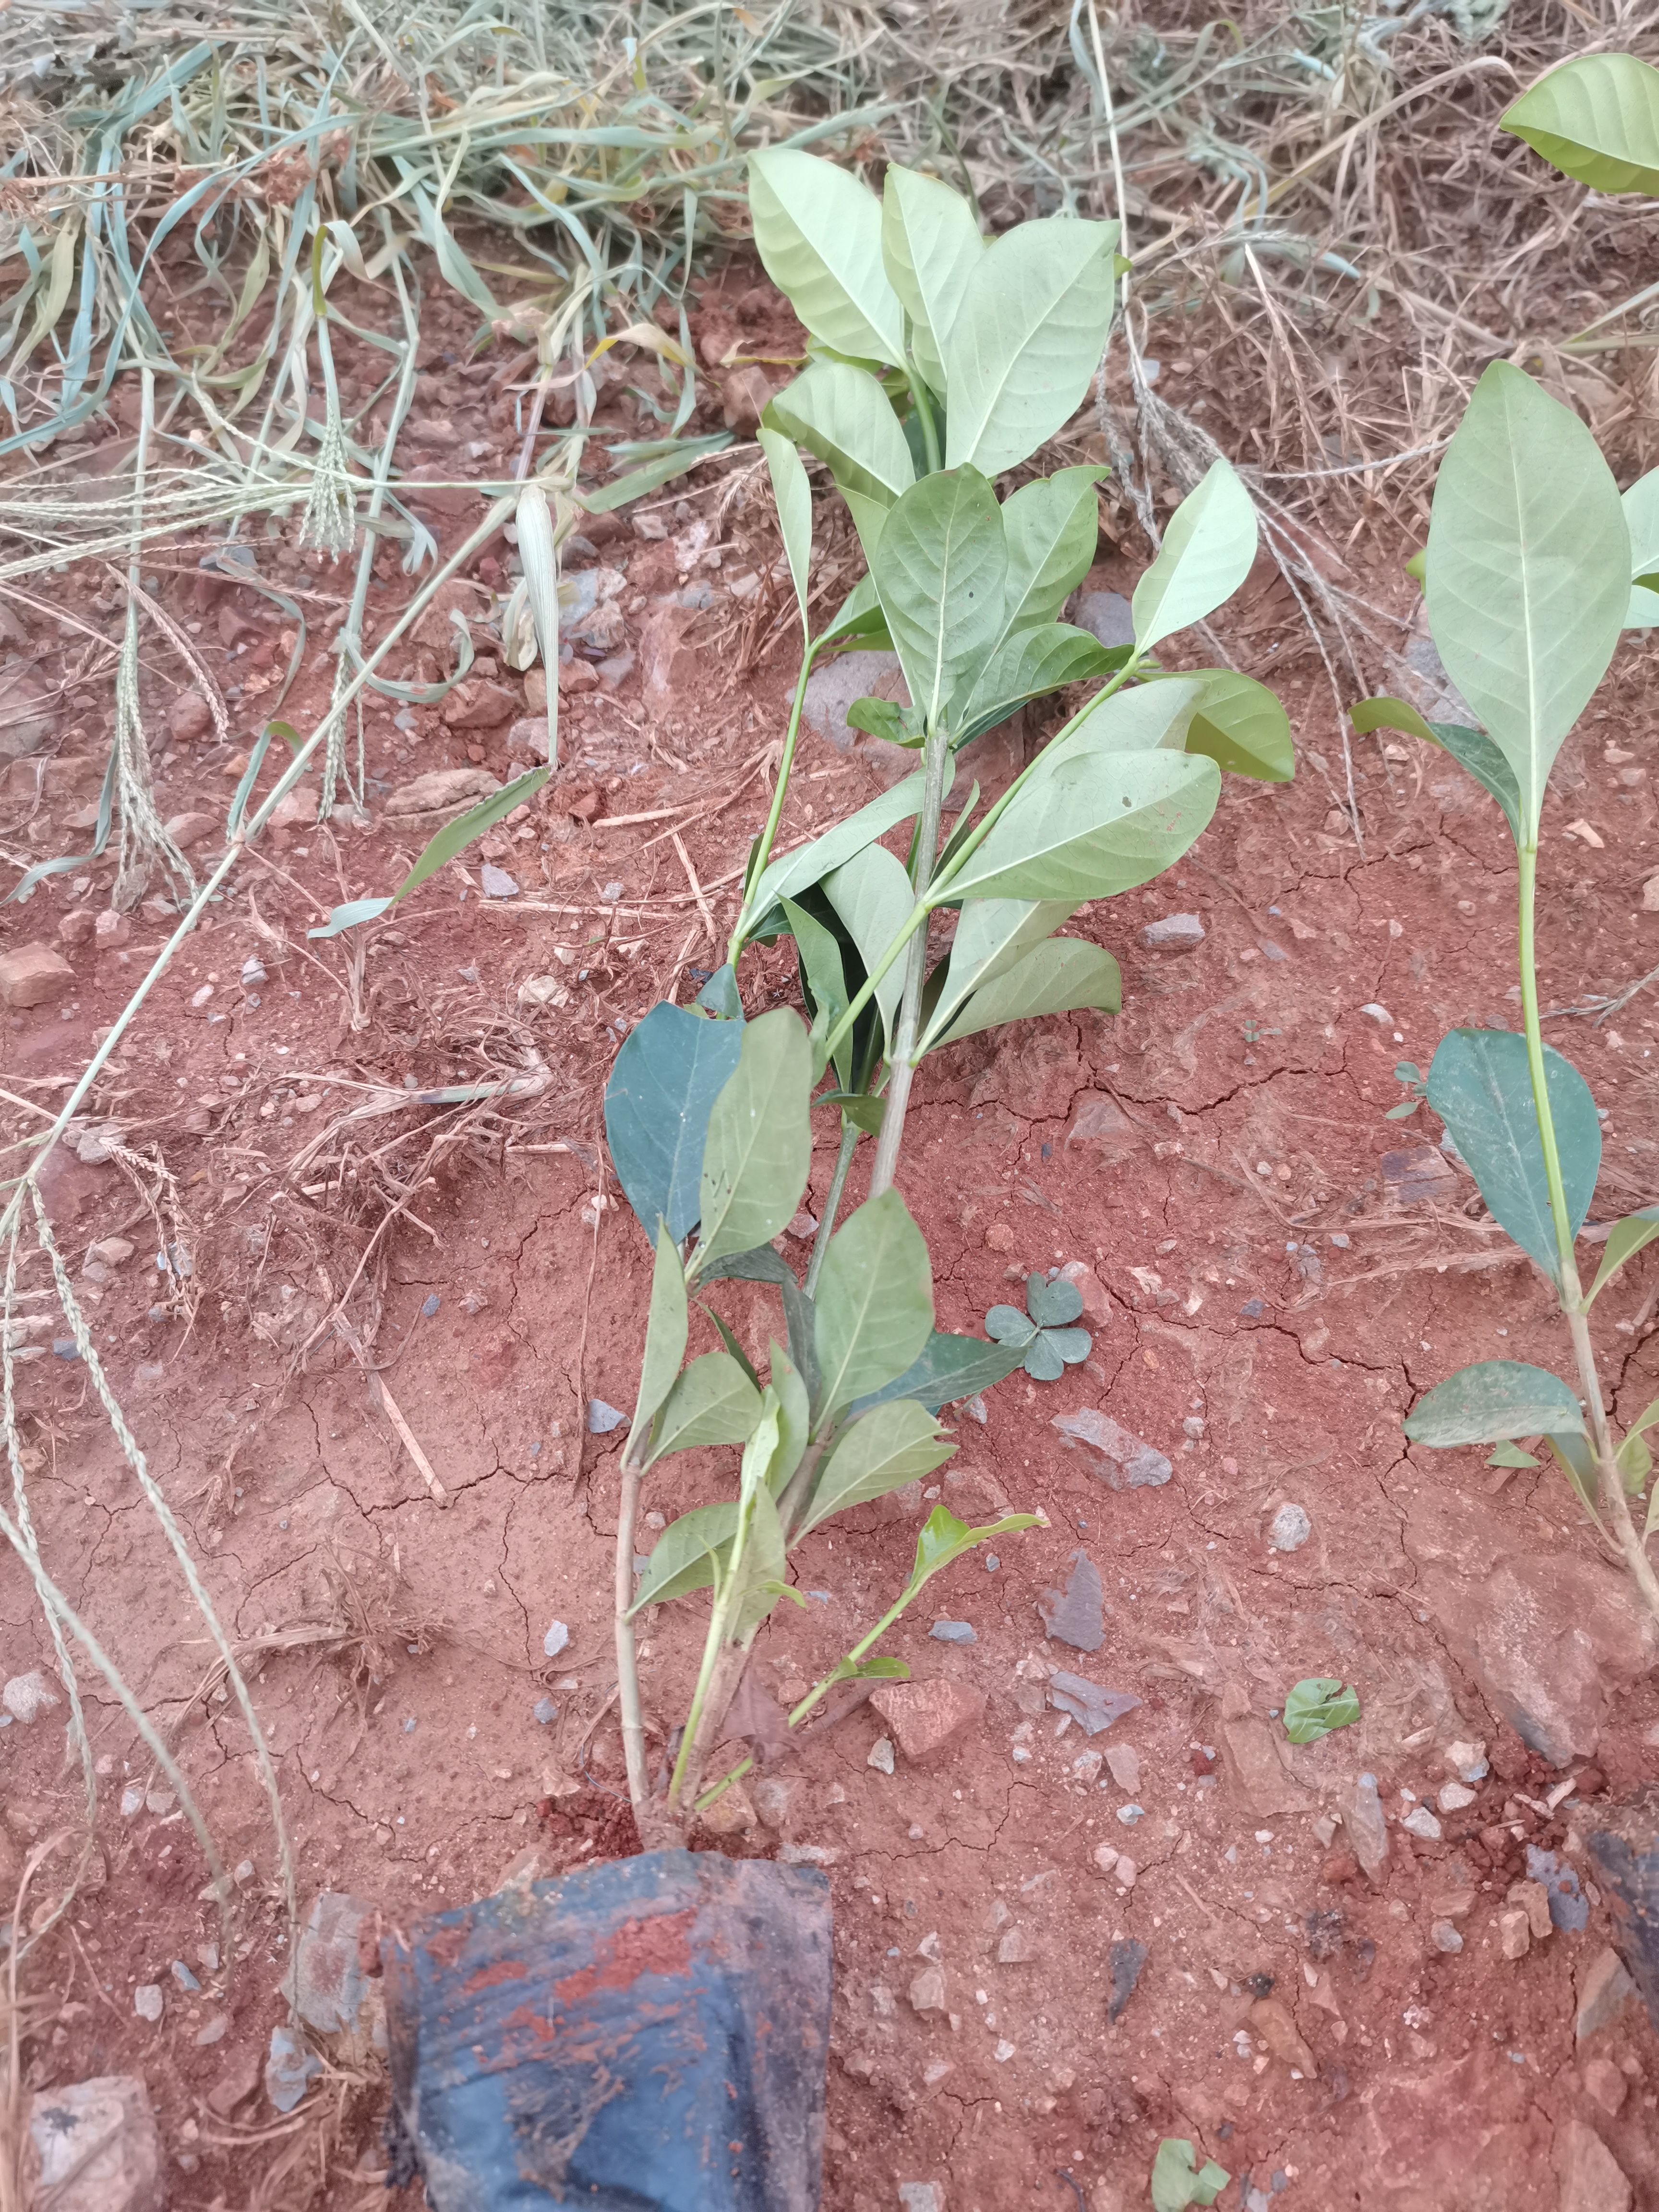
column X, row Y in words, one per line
column 1605, row 1988
column 1076, row 1615
column 921, row 2197
column 1444, row 1936
column 495, row 883
column 1107, row 615
column 1130, row 1463
column 603, row 1418
column 1173, row 932
column 881, row 1755
column 1089, row 1702
column 1017, row 1948
column 1291, row 1528
column 98, row 2146
column 1421, row 1822
column 927, row 1989
column 1127, row 1959
column 25, row 1697
column 290, row 2068
column 148, row 2001
column 1569, row 1907
column 954, row 1632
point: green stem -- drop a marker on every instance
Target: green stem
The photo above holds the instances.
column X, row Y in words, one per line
column 849, row 1137
column 763, row 850
column 867, row 990
column 628, row 1673
column 1614, row 1502
column 713, row 1644
column 924, row 406
column 901, row 1058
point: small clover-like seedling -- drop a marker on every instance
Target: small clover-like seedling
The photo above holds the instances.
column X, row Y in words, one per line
column 1408, row 1072
column 1179, row 2180
column 1050, row 1346
column 1316, row 1706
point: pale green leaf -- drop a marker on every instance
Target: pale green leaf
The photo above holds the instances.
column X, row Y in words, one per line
column 809, row 864
column 1528, row 571
column 761, row 1576
column 930, row 245
column 1509, row 1454
column 1206, row 553
column 818, row 231
column 712, row 1401
column 1151, row 718
column 939, row 571
column 1178, row 2181
column 453, row 839
column 943, row 1538
column 1641, row 506
column 894, row 1444
column 875, row 1302
column 1097, row 825
column 1494, row 1401
column 794, row 1418
column 540, row 561
column 1480, row 1086
column 794, row 497
column 1318, row 1705
column 686, row 1553
column 1624, row 1240
column 1597, row 119
column 1242, row 727
column 992, row 935
column 759, row 1146
column 948, row 1368
column 1056, row 978
column 843, row 416
column 664, row 1334
column 1026, row 339
column 1029, row 665
column 1471, row 748
column 1053, row 528
column 872, row 894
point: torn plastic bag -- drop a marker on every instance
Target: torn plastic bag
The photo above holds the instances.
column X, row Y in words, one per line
column 649, row 2035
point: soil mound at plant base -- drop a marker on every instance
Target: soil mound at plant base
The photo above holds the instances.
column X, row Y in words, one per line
column 652, row 2032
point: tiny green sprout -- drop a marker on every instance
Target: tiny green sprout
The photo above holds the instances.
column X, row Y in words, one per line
column 1178, row 2181
column 1316, row 1705
column 1408, row 1072
column 1050, row 1345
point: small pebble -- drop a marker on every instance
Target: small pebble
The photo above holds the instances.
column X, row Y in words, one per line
column 1422, row 1822
column 1130, row 1813
column 555, row 1639
column 1444, row 1936
column 546, row 1710
column 148, row 2001
column 881, row 1755
column 1291, row 1528
column 953, row 1631
column 183, row 1976
column 213, row 2030
column 603, row 1418
column 991, row 1563
column 1453, row 1797
column 429, row 1305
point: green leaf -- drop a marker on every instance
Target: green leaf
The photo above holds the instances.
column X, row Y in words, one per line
column 663, row 1086
column 930, row 246
column 1577, row 1460
column 1151, row 718
column 1008, row 1325
column 1595, row 119
column 817, row 232
column 1509, row 1454
column 842, row 414
column 1624, row 1240
column 453, row 838
column 948, row 1368
column 1242, row 727
column 1052, row 1304
column 1652, row 1521
column 943, row 1538
column 1493, row 1401
column 1095, row 826
column 539, row 560
column 1205, row 556
column 809, row 864
column 638, row 484
column 728, row 1337
column 895, row 1443
column 1471, row 748
column 1069, row 1347
column 762, row 1572
column 685, row 1554
column 1178, row 2181
column 872, row 894
column 759, row 1145
column 824, row 980
column 1644, row 1420
column 1634, row 1462
column 1026, row 339
column 720, row 995
column 664, row 1334
column 794, row 497
column 794, row 1418
column 939, row 571
column 1641, row 506
column 886, row 718
column 713, row 1401
column 1056, row 978
column 880, row 1668
column 993, row 936
column 763, row 1265
column 1053, row 528
column 875, row 1302
column 1481, row 1087
column 1404, row 1111
column 1030, row 665
column 859, row 617
column 1316, row 1706
column 1528, row 573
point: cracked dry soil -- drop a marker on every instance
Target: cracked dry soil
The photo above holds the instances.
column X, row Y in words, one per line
column 1274, row 1271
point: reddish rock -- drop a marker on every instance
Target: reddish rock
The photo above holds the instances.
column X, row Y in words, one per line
column 575, row 677
column 33, row 975
column 1340, row 1867
column 1453, row 2135
column 189, row 717
column 110, row 929
column 189, row 830
column 237, row 2078
column 1096, row 1306
column 1591, row 2176
column 478, row 704
column 77, row 925
column 928, row 1718
column 1273, row 2023
column 1606, row 2085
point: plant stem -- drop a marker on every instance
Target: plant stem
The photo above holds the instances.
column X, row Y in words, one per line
column 936, row 765
column 867, row 990
column 849, row 1137
column 713, row 1643
column 1614, row 1502
column 628, row 1673
column 924, row 406
column 763, row 850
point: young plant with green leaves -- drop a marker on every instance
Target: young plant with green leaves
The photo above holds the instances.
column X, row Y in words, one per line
column 938, row 362
column 715, row 1136
column 1528, row 582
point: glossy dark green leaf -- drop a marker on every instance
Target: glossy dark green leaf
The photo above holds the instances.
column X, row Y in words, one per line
column 671, row 1067
column 759, row 1145
column 885, row 718
column 713, row 1402
column 948, row 1368
column 1493, row 1401
column 872, row 894
column 881, row 1451
column 1481, row 1087
column 762, row 1575
column 796, row 872
column 875, row 1302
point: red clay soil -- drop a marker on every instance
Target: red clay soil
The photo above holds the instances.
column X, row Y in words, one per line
column 1270, row 1285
